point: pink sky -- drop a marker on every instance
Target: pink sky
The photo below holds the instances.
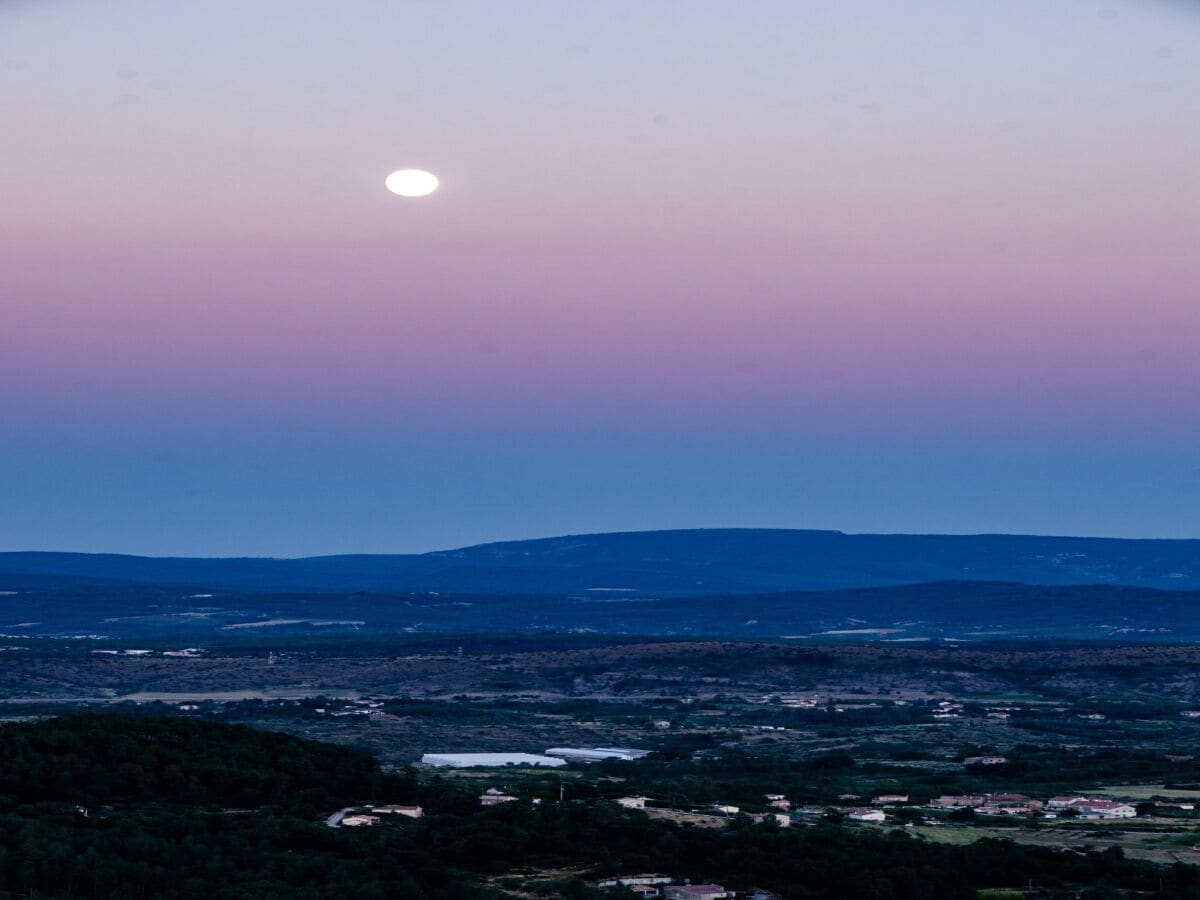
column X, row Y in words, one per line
column 940, row 228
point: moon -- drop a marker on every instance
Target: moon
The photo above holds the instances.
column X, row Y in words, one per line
column 412, row 183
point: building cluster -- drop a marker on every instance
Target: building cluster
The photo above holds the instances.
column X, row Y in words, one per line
column 990, row 804
column 1021, row 805
column 1092, row 807
column 667, row 888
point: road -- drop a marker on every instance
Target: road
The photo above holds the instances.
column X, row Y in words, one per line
column 335, row 821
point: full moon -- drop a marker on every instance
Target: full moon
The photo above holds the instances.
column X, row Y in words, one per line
column 412, row 183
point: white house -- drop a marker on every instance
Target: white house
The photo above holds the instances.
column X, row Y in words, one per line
column 1103, row 809
column 493, row 797
column 1092, row 807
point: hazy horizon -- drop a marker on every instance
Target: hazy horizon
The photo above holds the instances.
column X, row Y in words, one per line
column 401, row 551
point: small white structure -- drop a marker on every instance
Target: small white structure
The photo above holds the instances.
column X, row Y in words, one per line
column 1103, row 809
column 1092, row 807
column 494, row 797
column 358, row 821
column 862, row 814
column 985, row 760
column 476, row 760
column 727, row 810
column 889, row 799
column 632, row 802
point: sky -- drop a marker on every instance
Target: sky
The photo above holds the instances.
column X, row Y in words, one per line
column 879, row 266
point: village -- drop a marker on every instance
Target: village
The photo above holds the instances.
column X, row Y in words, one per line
column 774, row 810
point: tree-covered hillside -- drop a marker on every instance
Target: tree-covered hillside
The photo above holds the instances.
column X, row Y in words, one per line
column 161, row 825
column 90, row 759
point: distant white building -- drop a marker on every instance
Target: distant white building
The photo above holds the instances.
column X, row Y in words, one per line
column 358, row 821
column 1093, row 807
column 632, row 802
column 862, row 814
column 475, row 760
column 727, row 810
column 1089, row 808
column 595, row 754
column 494, row 797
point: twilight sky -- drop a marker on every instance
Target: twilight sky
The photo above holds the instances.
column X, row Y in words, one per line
column 881, row 265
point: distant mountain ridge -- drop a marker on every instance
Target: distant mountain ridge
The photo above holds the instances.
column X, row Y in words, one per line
column 675, row 563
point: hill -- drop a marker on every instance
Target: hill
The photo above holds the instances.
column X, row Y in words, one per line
column 684, row 562
column 94, row 759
